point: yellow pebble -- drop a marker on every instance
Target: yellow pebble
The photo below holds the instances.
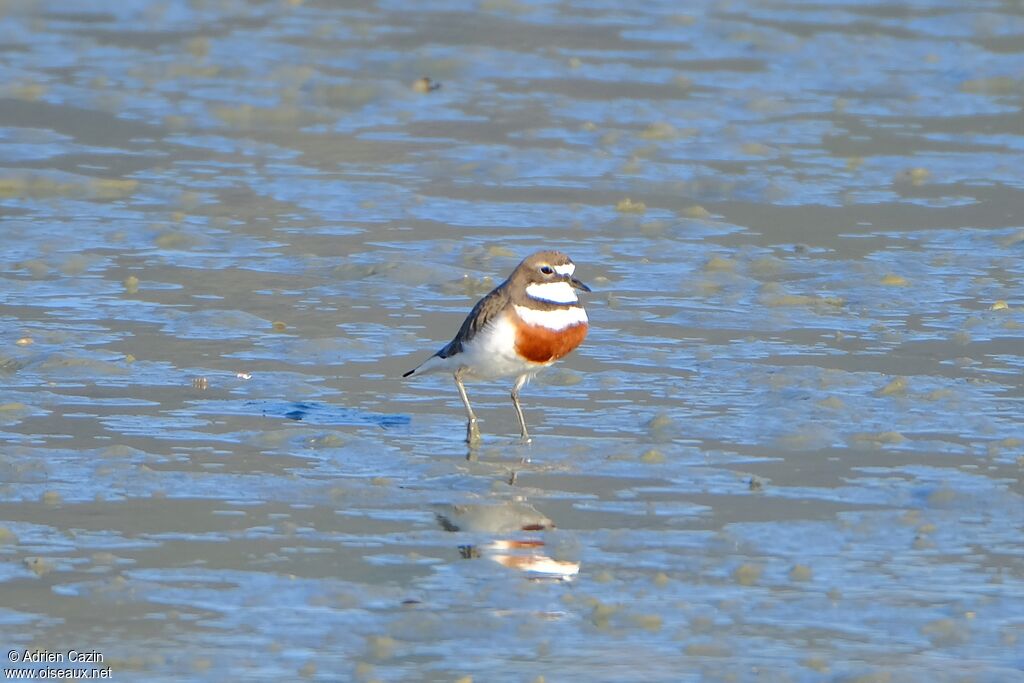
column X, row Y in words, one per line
column 897, row 386
column 627, row 205
column 424, row 85
column 696, row 211
column 747, row 574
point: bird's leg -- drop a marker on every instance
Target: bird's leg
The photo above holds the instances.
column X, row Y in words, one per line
column 520, row 381
column 472, row 430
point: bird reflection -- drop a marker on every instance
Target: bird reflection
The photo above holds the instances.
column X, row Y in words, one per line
column 509, row 518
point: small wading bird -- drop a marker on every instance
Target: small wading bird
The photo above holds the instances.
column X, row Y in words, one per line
column 527, row 323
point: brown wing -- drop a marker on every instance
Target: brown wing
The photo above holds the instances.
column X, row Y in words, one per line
column 483, row 313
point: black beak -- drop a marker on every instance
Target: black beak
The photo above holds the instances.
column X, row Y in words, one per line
column 578, row 285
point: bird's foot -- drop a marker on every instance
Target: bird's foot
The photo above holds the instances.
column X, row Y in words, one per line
column 472, row 432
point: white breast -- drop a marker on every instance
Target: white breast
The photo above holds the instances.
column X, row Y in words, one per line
column 492, row 352
column 557, row 319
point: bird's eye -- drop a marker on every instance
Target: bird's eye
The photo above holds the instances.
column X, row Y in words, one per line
column 547, row 270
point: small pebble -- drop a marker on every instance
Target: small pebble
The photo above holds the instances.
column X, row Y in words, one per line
column 424, row 84
column 896, row 386
column 627, row 205
column 800, row 572
column 38, row 565
column 747, row 574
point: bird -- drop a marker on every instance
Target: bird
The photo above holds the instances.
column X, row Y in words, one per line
column 522, row 326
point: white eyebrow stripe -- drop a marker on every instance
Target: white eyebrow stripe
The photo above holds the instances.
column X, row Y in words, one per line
column 557, row 320
column 565, row 269
column 555, row 292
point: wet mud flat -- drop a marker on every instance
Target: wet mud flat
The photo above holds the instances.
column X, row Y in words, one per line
column 790, row 448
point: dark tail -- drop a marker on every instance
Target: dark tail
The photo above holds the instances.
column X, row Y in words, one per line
column 415, row 369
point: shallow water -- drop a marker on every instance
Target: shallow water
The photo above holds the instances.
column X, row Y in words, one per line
column 789, row 450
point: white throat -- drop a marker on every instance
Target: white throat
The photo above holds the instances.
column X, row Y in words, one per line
column 555, row 292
